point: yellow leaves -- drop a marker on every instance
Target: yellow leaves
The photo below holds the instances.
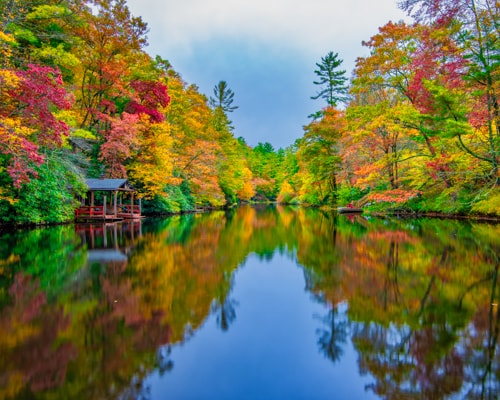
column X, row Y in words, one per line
column 286, row 193
column 18, row 332
column 153, row 164
column 7, row 41
column 7, row 38
column 8, row 81
column 14, row 131
column 246, row 192
column 47, row 11
column 6, row 196
column 490, row 205
column 84, row 134
column 57, row 55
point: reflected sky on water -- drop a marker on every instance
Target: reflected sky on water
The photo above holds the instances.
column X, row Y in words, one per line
column 270, row 349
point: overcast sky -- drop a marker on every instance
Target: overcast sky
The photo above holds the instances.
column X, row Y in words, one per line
column 265, row 50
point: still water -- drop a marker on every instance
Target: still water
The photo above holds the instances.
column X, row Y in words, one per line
column 255, row 303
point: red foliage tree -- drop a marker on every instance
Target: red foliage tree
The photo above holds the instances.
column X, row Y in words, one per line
column 26, row 117
column 149, row 97
column 40, row 90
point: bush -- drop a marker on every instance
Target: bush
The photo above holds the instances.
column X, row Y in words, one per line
column 489, row 205
column 347, row 194
column 310, row 198
column 50, row 198
column 454, row 200
column 174, row 201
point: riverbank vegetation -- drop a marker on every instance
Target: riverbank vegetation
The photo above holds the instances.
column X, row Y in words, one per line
column 417, row 127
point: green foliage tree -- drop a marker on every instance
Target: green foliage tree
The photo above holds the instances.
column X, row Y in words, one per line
column 264, row 163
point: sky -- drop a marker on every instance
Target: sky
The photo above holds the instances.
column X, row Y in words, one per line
column 266, row 51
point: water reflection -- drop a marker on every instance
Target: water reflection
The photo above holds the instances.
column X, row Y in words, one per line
column 109, row 241
column 93, row 311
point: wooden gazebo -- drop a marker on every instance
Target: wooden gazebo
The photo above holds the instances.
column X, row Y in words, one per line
column 115, row 198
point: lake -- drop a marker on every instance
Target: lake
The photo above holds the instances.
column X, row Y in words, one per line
column 252, row 303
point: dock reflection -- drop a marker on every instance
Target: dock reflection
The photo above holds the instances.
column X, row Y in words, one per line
column 109, row 242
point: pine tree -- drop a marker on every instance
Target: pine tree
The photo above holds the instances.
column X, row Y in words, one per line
column 224, row 97
column 332, row 80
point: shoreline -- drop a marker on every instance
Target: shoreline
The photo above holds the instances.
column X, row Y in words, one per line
column 5, row 227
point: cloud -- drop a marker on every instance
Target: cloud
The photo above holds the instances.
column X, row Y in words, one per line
column 311, row 26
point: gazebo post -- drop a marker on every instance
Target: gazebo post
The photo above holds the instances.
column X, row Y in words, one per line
column 91, row 203
column 118, row 206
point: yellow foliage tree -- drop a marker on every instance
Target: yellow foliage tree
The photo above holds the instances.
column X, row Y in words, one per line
column 153, row 164
column 247, row 191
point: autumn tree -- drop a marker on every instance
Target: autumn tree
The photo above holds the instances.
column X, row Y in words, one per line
column 319, row 148
column 42, row 34
column 473, row 29
column 400, row 64
column 110, row 40
column 319, row 155
column 287, row 177
column 196, row 142
column 379, row 151
column 233, row 167
column 29, row 98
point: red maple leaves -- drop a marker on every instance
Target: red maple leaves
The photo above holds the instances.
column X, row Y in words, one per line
column 27, row 118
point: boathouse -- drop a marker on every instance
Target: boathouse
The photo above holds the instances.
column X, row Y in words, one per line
column 108, row 200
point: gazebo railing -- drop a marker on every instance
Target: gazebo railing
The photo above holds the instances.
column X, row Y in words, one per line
column 90, row 211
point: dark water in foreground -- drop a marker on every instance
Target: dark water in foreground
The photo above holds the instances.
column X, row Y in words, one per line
column 271, row 303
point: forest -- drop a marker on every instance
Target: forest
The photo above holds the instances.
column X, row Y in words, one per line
column 415, row 129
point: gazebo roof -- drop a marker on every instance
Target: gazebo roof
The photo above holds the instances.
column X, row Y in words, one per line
column 110, row 185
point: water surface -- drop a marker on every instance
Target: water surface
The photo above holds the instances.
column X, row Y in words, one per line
column 267, row 303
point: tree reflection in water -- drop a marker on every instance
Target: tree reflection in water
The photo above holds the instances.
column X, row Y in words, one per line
column 334, row 337
column 91, row 312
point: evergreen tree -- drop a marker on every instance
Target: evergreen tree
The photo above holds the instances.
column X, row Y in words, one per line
column 222, row 104
column 224, row 97
column 331, row 80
